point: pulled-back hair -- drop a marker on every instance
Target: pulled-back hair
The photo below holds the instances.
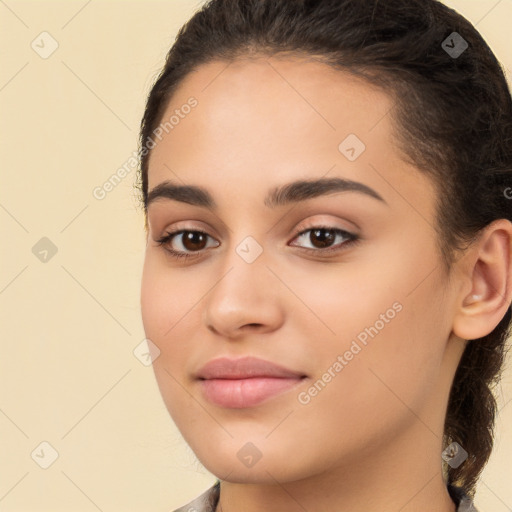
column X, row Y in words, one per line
column 453, row 120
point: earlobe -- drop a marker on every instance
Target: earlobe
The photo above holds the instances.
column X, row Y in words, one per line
column 490, row 274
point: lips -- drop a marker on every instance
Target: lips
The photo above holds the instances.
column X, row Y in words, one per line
column 245, row 382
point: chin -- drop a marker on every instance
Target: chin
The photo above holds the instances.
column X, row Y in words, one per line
column 242, row 462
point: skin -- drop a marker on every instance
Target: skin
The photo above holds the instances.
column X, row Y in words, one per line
column 371, row 439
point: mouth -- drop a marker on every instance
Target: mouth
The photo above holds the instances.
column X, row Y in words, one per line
column 245, row 382
column 243, row 393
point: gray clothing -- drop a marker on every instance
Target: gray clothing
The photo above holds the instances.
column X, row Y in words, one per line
column 207, row 502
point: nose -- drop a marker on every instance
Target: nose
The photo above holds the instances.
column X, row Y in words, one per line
column 246, row 298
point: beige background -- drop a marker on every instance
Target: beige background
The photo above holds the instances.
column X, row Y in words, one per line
column 70, row 324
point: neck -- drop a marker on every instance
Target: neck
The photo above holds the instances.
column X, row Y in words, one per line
column 404, row 476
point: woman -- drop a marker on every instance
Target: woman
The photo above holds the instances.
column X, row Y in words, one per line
column 328, row 268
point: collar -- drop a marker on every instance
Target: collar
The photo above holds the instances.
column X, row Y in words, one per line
column 207, row 502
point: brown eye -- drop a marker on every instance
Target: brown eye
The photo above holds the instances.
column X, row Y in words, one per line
column 193, row 240
column 322, row 237
column 185, row 243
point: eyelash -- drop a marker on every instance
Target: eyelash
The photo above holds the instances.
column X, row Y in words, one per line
column 351, row 239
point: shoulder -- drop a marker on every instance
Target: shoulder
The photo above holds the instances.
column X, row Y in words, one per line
column 206, row 502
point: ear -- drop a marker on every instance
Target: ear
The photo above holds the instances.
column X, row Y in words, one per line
column 486, row 292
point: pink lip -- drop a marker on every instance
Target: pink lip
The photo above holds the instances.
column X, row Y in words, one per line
column 245, row 382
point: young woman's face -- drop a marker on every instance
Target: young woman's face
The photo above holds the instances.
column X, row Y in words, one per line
column 339, row 283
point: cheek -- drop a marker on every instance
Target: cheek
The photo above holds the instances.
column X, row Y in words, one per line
column 152, row 297
column 171, row 315
column 383, row 334
column 332, row 305
column 166, row 297
column 400, row 364
column 162, row 305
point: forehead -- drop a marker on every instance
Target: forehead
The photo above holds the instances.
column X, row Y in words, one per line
column 262, row 121
column 250, row 104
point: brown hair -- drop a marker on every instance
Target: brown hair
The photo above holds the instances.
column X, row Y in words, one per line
column 453, row 116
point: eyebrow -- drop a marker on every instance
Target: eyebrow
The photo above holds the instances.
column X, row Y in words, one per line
column 293, row 192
